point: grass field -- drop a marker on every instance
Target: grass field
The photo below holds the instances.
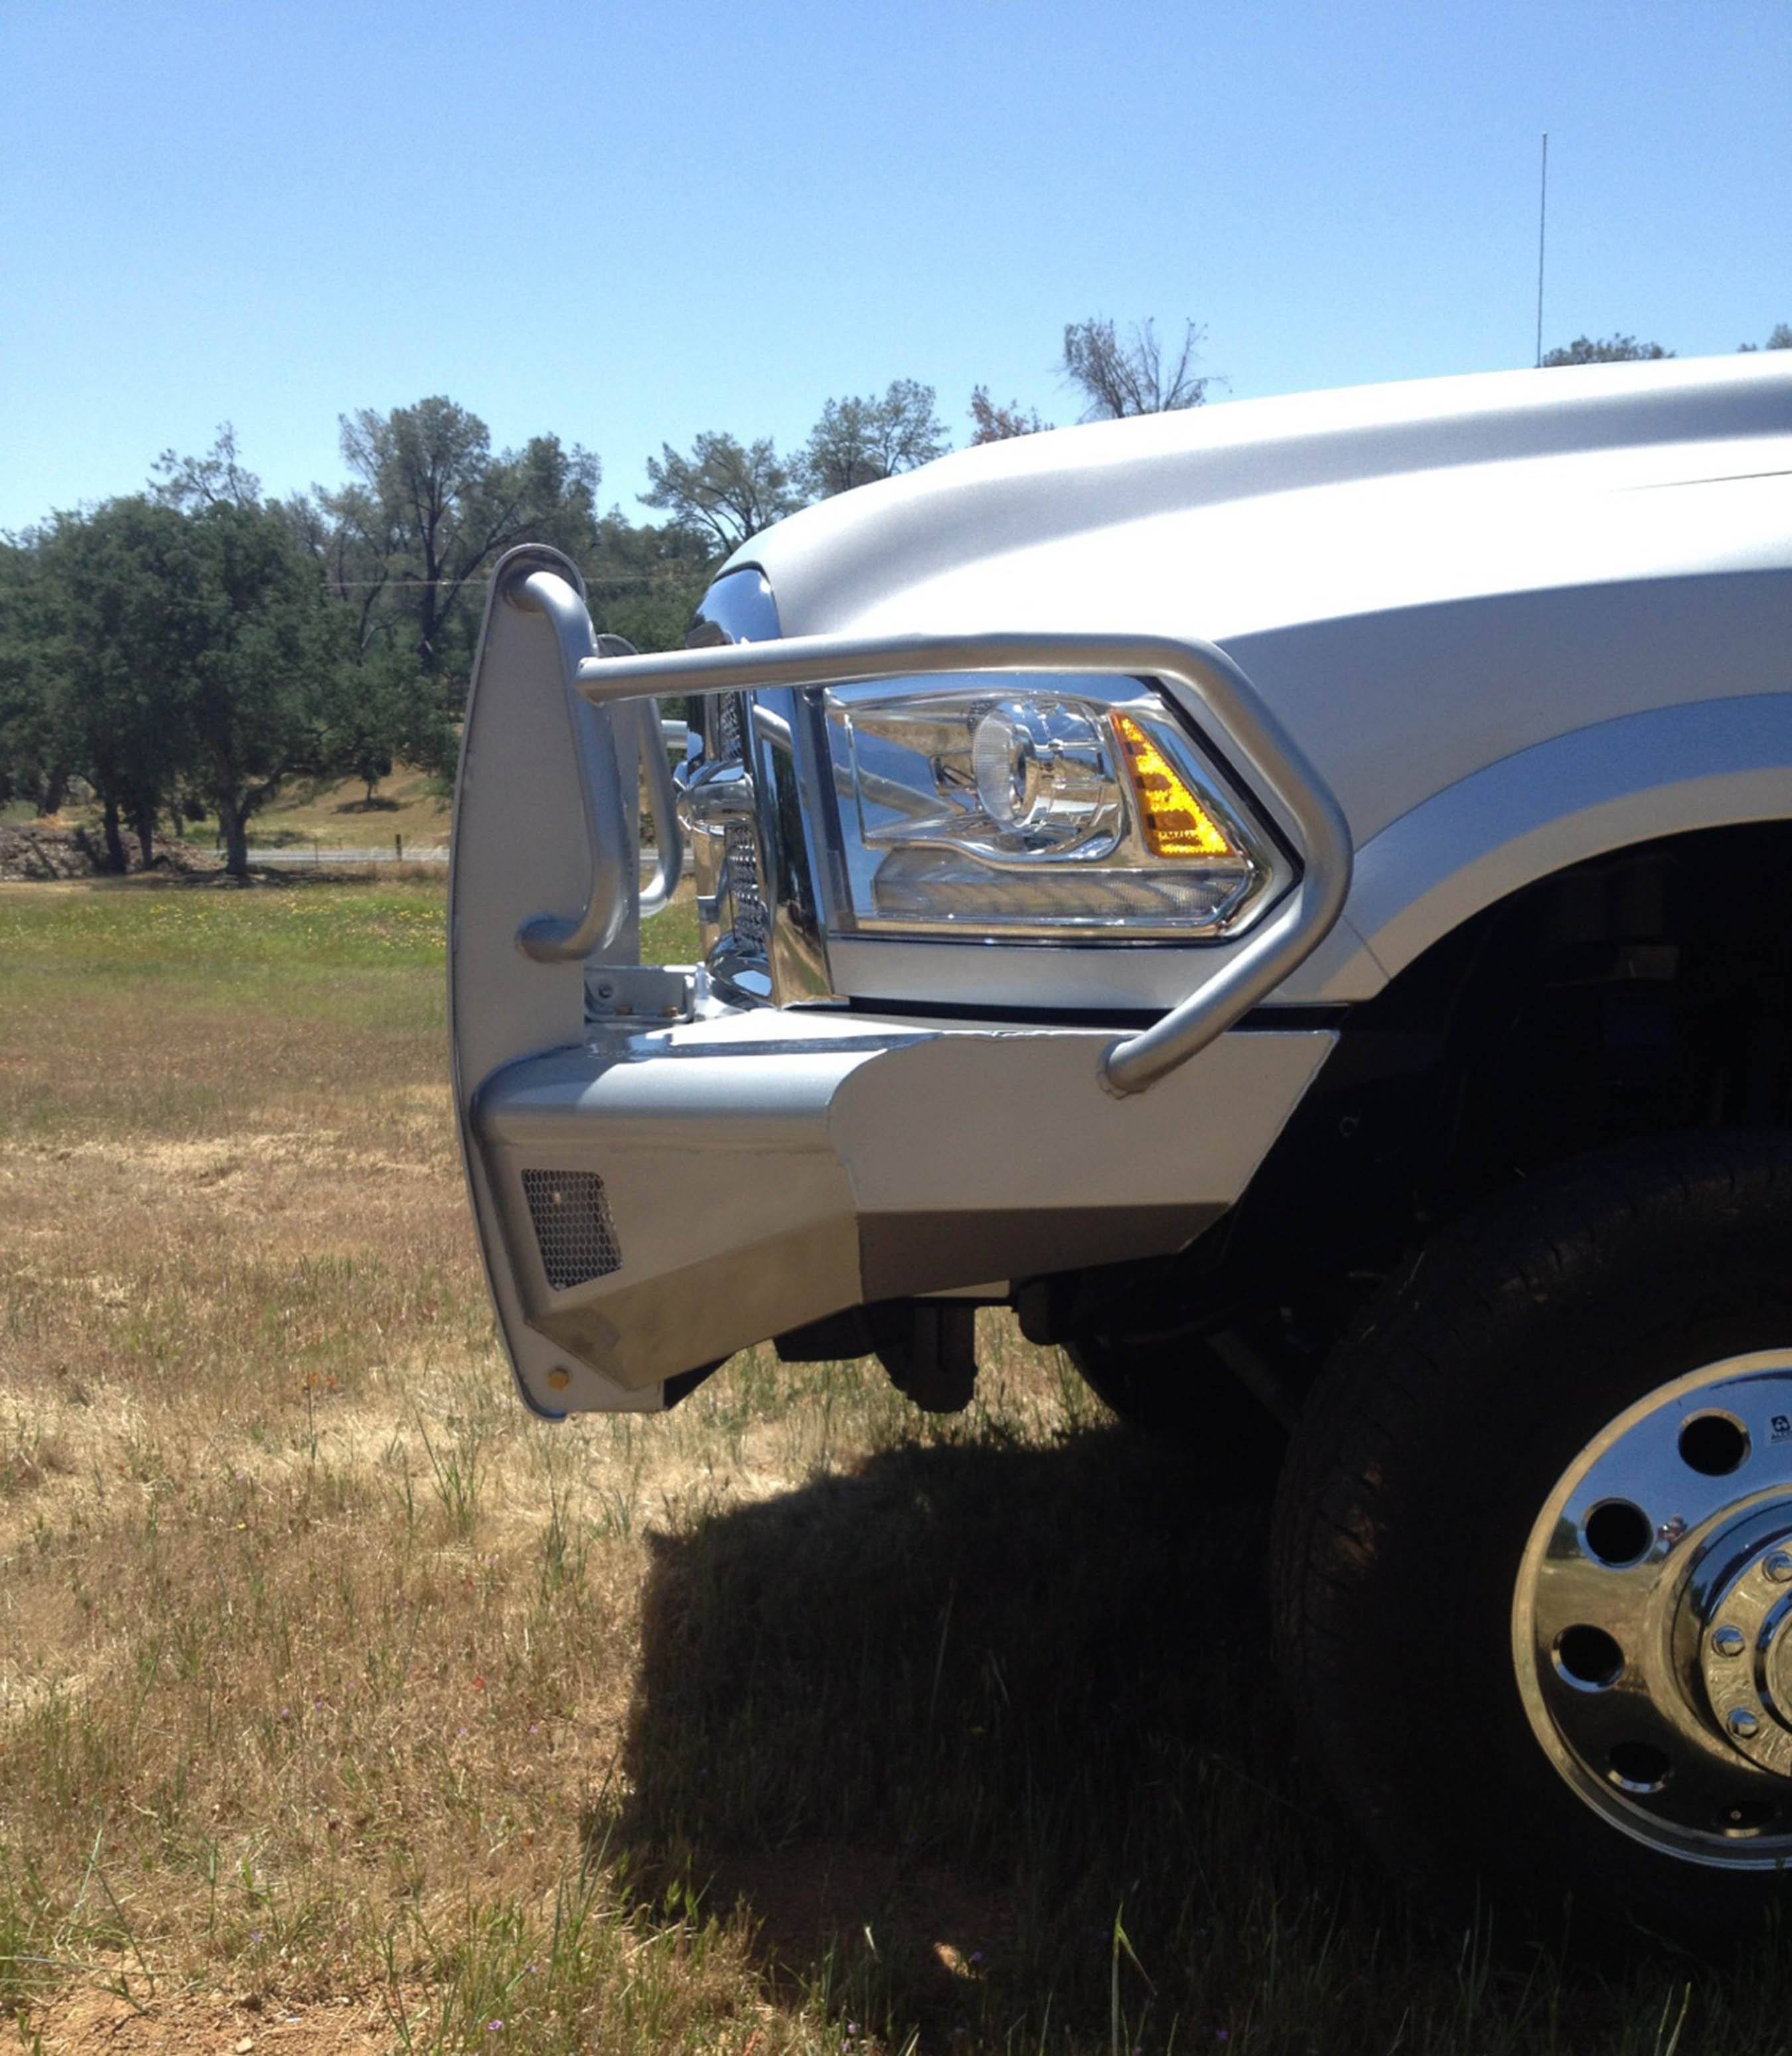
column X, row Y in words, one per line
column 344, row 1707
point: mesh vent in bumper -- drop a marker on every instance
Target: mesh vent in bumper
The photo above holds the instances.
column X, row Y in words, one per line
column 573, row 1228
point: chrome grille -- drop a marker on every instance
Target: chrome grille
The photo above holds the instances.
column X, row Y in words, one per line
column 750, row 925
column 730, row 737
column 573, row 1229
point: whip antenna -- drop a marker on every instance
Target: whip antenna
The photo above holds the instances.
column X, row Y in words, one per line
column 1542, row 226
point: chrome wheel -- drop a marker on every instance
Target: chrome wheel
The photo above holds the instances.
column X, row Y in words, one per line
column 1651, row 1624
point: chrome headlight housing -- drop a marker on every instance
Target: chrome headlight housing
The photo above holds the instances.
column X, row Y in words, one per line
column 1008, row 806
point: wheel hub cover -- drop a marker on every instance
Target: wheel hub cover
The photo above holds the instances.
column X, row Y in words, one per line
column 1748, row 1660
column 1652, row 1618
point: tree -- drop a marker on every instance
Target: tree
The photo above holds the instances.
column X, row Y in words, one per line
column 644, row 583
column 260, row 694
column 381, row 709
column 860, row 441
column 198, row 653
column 1779, row 337
column 37, row 751
column 124, row 627
column 218, row 478
column 430, row 509
column 1120, row 379
column 992, row 423
column 1604, row 350
column 723, row 492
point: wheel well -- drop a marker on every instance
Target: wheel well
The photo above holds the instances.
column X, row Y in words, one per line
column 1647, row 989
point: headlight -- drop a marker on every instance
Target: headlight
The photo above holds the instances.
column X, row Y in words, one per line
column 1015, row 806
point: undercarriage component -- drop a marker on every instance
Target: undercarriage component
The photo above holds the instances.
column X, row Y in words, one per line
column 929, row 1348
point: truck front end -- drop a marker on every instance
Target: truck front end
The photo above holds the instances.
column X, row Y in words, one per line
column 984, row 919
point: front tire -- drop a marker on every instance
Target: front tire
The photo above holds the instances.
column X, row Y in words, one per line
column 1532, row 1562
column 1178, row 1390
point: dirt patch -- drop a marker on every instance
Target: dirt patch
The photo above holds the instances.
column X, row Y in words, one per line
column 84, row 2023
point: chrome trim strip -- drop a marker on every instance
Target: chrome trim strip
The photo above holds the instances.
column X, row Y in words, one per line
column 1278, row 773
column 790, row 836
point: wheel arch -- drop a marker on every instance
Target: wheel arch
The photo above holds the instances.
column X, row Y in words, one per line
column 1540, row 813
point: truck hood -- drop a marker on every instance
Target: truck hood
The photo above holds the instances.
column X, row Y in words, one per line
column 1240, row 518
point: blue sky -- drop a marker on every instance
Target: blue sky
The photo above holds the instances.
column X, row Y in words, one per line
column 628, row 223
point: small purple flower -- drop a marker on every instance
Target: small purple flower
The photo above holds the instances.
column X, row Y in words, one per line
column 492, row 2027
column 976, row 1955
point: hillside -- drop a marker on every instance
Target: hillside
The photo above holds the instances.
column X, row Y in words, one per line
column 341, row 816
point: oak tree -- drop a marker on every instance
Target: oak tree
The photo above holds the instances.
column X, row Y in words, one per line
column 861, row 440
column 722, row 491
column 1119, row 376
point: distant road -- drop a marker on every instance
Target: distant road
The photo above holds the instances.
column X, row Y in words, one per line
column 297, row 855
column 300, row 856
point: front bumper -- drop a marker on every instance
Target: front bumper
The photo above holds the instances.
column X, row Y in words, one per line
column 727, row 1188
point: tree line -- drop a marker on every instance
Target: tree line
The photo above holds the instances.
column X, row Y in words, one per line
column 189, row 650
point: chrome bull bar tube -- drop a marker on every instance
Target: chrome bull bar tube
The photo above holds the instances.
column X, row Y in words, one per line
column 563, row 939
column 1276, row 769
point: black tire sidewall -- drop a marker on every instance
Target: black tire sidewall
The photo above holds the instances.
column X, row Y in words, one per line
column 1178, row 1391
column 1470, row 1390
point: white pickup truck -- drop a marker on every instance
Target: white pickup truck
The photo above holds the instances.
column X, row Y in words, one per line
column 1296, row 899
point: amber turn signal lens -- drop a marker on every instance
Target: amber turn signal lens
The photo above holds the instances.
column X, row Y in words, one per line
column 1175, row 823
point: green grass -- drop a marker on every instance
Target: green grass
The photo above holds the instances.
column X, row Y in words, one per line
column 793, row 1721
column 217, row 933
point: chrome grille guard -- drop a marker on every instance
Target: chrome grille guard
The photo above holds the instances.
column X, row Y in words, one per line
column 602, row 675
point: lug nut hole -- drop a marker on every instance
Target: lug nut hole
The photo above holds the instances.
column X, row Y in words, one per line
column 1742, row 1817
column 1714, row 1444
column 1589, row 1657
column 1639, row 1766
column 1619, row 1532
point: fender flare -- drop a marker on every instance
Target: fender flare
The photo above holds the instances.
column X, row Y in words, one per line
column 1668, row 771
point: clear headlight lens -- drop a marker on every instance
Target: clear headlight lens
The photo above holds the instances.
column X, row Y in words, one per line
column 1020, row 806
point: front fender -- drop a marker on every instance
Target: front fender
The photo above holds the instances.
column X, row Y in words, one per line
column 1670, row 770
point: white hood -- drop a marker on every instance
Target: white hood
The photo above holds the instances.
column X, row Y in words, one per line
column 1276, row 527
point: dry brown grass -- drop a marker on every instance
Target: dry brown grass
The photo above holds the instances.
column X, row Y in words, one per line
column 343, row 1706
column 410, row 802
column 316, row 1652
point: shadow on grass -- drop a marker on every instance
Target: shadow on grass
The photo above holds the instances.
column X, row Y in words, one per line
column 942, row 1723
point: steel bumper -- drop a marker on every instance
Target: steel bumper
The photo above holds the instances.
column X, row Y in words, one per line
column 669, row 1198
